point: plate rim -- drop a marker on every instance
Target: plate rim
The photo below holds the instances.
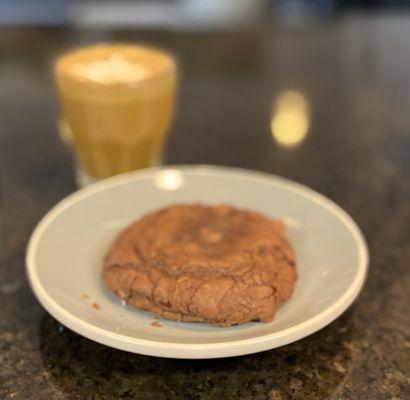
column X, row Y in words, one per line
column 198, row 350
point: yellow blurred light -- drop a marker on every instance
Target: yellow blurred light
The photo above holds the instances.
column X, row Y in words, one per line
column 289, row 127
column 290, row 118
column 292, row 99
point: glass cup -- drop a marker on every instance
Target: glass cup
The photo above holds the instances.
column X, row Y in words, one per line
column 117, row 104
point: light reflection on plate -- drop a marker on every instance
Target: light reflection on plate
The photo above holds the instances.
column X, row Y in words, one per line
column 168, row 179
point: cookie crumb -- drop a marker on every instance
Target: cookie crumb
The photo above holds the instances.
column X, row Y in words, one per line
column 85, row 296
column 96, row 306
column 156, row 324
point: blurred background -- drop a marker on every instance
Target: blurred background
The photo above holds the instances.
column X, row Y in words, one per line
column 193, row 14
column 258, row 77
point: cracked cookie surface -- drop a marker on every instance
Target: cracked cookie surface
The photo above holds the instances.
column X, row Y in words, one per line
column 215, row 264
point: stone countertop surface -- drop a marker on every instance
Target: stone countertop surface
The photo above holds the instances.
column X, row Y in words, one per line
column 354, row 73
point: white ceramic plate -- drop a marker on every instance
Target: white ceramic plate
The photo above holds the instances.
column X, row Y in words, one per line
column 66, row 249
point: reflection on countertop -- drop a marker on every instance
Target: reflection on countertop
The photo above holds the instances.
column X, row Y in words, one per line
column 290, row 118
column 311, row 368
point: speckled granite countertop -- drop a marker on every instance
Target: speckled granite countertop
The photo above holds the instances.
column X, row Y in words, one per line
column 355, row 74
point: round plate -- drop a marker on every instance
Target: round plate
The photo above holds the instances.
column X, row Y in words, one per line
column 65, row 255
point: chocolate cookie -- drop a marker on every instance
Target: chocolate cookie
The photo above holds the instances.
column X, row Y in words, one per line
column 214, row 264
